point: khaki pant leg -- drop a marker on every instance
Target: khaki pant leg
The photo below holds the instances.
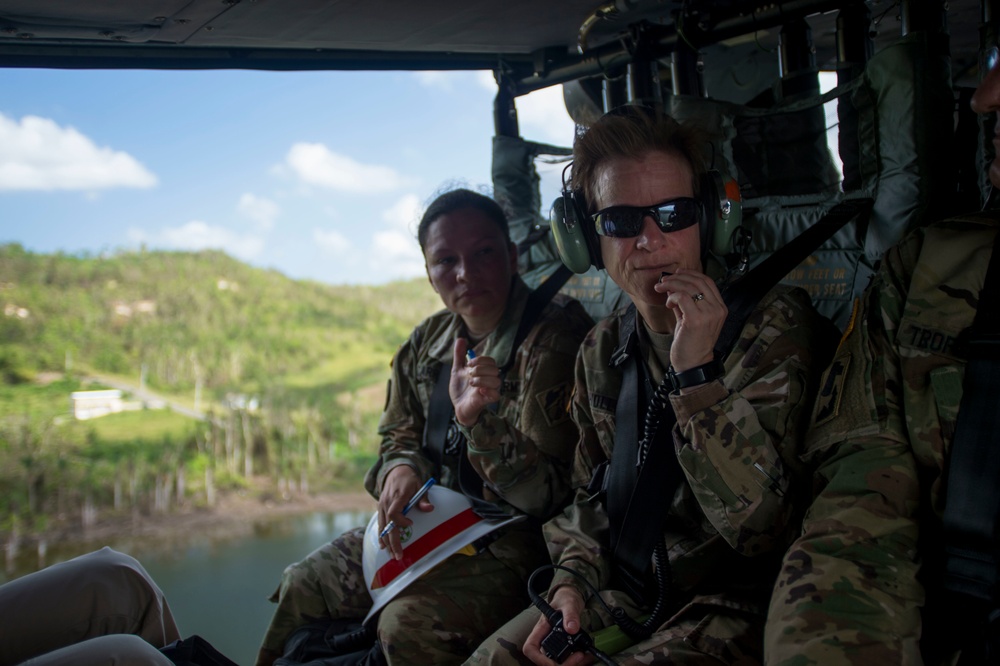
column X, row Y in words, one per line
column 114, row 650
column 98, row 594
column 441, row 618
column 504, row 646
column 328, row 583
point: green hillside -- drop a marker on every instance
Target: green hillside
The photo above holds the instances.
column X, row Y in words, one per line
column 289, row 374
column 186, row 315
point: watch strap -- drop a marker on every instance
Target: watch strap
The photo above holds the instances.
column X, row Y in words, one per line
column 700, row 374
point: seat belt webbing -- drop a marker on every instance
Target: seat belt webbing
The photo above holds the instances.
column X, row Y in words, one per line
column 972, row 504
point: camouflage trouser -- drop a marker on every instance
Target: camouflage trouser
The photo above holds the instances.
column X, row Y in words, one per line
column 439, row 619
column 700, row 633
column 327, row 584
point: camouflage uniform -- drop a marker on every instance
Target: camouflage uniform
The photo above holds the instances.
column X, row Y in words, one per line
column 523, row 451
column 849, row 591
column 729, row 523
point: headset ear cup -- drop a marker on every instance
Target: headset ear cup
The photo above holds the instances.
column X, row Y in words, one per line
column 568, row 232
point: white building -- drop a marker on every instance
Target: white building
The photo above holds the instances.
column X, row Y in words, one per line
column 92, row 404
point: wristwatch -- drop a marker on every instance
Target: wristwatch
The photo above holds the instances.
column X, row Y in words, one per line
column 700, row 374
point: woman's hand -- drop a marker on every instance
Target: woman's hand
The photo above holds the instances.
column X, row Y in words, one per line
column 569, row 601
column 401, row 484
column 474, row 384
column 700, row 312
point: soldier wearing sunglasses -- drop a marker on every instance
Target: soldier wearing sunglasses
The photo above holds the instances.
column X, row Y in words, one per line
column 637, row 179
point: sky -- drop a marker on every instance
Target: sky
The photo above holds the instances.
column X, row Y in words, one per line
column 319, row 175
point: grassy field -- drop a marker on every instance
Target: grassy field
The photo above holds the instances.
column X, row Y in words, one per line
column 46, row 400
column 146, row 424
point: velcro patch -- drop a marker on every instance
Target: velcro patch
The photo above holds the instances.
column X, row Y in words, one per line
column 554, row 403
column 831, row 390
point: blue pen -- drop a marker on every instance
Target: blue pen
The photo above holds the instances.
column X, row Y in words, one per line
column 409, row 505
column 470, row 354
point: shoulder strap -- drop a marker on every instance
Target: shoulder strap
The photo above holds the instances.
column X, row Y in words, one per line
column 537, row 300
column 972, row 505
column 439, row 417
column 638, row 496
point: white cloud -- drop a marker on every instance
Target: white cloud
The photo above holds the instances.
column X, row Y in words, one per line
column 396, row 255
column 449, row 81
column 405, row 213
column 315, row 164
column 38, row 154
column 436, row 79
column 260, row 210
column 485, row 78
column 197, row 235
column 332, row 241
column 543, row 117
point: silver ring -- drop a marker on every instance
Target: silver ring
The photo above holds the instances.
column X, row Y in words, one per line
column 698, row 297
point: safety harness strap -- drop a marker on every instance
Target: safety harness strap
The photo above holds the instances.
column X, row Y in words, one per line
column 638, row 495
column 972, row 506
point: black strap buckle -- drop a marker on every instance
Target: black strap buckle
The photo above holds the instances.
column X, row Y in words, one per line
column 598, row 486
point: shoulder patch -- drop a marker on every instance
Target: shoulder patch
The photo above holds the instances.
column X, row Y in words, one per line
column 554, row 402
column 831, row 391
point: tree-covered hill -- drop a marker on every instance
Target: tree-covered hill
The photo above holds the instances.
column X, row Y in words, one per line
column 313, row 357
column 196, row 317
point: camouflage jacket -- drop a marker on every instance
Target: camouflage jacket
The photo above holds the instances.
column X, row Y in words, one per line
column 729, row 511
column 849, row 591
column 523, row 450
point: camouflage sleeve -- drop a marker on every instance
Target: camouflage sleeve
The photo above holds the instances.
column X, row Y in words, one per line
column 402, row 423
column 526, row 459
column 576, row 536
column 847, row 593
column 738, row 447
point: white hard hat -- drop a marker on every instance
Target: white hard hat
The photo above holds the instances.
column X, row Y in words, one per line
column 433, row 537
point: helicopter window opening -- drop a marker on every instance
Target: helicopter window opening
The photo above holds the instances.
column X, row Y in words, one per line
column 318, row 175
column 543, row 118
column 827, row 82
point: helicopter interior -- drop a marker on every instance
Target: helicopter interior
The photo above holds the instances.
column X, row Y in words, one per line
column 893, row 131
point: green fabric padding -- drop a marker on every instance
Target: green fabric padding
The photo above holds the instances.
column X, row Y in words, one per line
column 903, row 106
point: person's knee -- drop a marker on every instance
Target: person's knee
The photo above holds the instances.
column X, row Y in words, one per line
column 506, row 644
column 296, row 576
column 117, row 649
column 112, row 563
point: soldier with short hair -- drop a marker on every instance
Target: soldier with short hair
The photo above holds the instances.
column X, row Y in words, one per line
column 739, row 419
column 518, row 454
column 863, row 584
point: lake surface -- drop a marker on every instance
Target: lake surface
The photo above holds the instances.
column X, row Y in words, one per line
column 218, row 587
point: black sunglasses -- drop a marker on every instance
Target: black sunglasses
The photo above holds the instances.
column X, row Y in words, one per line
column 626, row 221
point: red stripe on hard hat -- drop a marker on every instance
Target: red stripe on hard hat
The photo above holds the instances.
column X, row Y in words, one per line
column 425, row 544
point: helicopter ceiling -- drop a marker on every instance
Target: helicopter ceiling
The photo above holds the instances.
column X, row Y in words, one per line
column 535, row 44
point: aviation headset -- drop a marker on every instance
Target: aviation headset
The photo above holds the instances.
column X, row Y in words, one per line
column 576, row 237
